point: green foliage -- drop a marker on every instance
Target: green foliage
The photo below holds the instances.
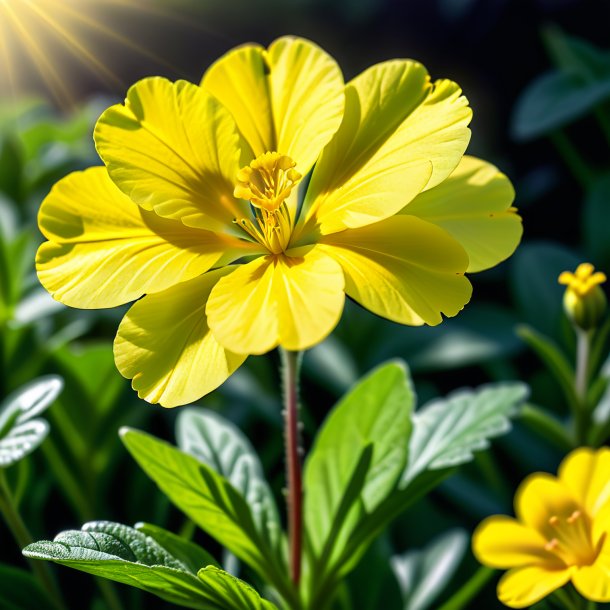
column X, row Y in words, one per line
column 129, row 556
column 216, row 442
column 423, row 574
column 21, row 430
column 19, row 590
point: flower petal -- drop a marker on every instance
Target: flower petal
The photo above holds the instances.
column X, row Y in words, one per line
column 523, row 587
column 403, row 268
column 502, row 542
column 174, row 149
column 287, row 99
column 585, row 473
column 399, row 135
column 593, row 582
column 473, row 205
column 540, row 497
column 291, row 300
column 105, row 251
column 164, row 345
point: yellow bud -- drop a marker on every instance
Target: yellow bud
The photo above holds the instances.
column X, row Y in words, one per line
column 584, row 301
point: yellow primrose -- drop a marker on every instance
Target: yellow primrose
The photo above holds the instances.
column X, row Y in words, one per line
column 561, row 533
column 243, row 209
column 584, row 301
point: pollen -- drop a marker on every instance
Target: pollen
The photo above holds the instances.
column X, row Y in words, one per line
column 268, row 181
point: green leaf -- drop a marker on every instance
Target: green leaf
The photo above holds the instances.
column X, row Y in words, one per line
column 210, row 501
column 554, row 100
column 553, row 358
column 596, row 232
column 19, row 590
column 422, row 575
column 447, row 432
column 125, row 555
column 189, row 553
column 376, row 413
column 534, row 270
column 21, row 432
column 218, row 443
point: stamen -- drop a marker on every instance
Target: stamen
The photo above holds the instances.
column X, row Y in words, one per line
column 570, row 539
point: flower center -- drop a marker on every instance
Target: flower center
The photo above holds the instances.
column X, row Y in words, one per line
column 570, row 539
column 266, row 183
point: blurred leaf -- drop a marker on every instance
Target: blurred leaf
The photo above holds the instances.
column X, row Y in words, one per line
column 554, row 359
column 422, row 575
column 375, row 414
column 447, row 431
column 534, row 270
column 332, row 365
column 218, row 443
column 125, row 555
column 36, row 305
column 554, row 100
column 10, row 167
column 20, row 431
column 189, row 553
column 19, row 590
column 206, row 498
column 597, row 232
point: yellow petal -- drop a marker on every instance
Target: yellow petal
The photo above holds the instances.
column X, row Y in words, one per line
column 540, row 497
column 105, row 251
column 593, row 582
column 287, row 99
column 502, row 542
column 403, row 268
column 523, row 587
column 586, row 473
column 473, row 205
column 399, row 135
column 164, row 345
column 174, row 149
column 292, row 300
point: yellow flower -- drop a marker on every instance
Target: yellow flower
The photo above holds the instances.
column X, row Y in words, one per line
column 584, row 301
column 561, row 533
column 206, row 209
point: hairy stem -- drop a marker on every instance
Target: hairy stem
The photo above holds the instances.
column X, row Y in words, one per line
column 290, row 375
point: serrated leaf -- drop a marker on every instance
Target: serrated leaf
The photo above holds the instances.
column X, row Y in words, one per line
column 189, row 553
column 375, row 412
column 422, row 575
column 446, row 432
column 209, row 500
column 20, row 431
column 218, row 443
column 125, row 555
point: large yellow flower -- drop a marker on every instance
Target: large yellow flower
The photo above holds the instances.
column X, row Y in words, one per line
column 206, row 206
column 562, row 533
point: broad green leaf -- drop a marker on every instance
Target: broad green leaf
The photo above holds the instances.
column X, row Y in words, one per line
column 125, row 555
column 597, row 232
column 447, row 432
column 21, row 432
column 375, row 413
column 554, row 100
column 189, row 553
column 534, row 270
column 19, row 590
column 218, row 443
column 209, row 500
column 423, row 574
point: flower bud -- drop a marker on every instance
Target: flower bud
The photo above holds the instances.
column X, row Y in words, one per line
column 584, row 301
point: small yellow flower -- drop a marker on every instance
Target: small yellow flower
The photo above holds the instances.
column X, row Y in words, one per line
column 584, row 301
column 244, row 209
column 561, row 533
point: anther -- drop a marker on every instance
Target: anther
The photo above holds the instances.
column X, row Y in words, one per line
column 551, row 545
column 574, row 517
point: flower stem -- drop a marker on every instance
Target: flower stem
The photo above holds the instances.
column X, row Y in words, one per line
column 581, row 383
column 462, row 597
column 20, row 532
column 291, row 362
